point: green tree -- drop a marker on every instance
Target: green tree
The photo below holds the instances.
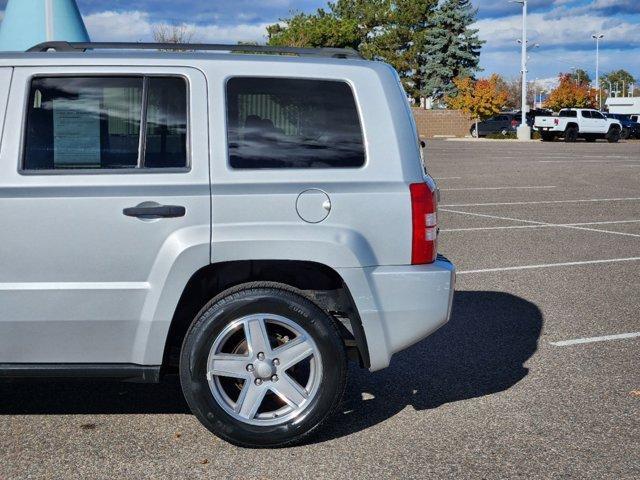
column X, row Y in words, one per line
column 580, row 76
column 451, row 49
column 395, row 31
column 322, row 29
column 618, row 81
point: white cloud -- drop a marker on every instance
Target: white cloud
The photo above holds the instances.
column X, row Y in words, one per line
column 134, row 26
column 565, row 31
column 119, row 26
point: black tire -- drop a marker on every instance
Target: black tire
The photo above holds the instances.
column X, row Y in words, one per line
column 474, row 132
column 613, row 135
column 625, row 134
column 571, row 134
column 547, row 137
column 504, row 132
column 276, row 299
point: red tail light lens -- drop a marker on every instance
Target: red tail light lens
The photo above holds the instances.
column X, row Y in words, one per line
column 424, row 207
column 514, row 123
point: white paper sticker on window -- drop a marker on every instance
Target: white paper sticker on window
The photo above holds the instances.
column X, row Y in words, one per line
column 76, row 132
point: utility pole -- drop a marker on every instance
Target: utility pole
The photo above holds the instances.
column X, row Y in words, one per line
column 597, row 37
column 524, row 132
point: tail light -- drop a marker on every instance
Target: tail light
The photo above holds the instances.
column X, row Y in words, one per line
column 556, row 121
column 424, row 214
column 514, row 123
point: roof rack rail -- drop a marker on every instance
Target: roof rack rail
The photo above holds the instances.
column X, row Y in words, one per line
column 239, row 48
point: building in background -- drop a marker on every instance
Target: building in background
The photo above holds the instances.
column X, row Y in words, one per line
column 29, row 22
column 625, row 105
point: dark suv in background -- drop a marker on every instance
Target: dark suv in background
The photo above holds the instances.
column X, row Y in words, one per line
column 505, row 122
column 630, row 129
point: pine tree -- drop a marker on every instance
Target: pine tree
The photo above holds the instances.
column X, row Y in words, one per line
column 451, row 49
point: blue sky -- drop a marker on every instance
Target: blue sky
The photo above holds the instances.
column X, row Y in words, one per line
column 563, row 28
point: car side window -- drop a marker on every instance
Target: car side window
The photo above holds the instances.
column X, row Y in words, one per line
column 597, row 115
column 292, row 123
column 96, row 123
column 586, row 114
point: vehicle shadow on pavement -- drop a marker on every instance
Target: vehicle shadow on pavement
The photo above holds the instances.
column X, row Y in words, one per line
column 480, row 351
column 81, row 396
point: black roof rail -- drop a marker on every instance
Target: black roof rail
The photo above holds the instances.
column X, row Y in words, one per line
column 239, row 48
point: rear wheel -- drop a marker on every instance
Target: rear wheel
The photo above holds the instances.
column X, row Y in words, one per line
column 474, row 132
column 571, row 134
column 504, row 131
column 546, row 137
column 262, row 366
column 613, row 135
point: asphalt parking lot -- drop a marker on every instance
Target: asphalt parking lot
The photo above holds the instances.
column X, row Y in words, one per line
column 546, row 239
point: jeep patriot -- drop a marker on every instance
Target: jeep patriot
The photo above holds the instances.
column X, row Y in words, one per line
column 250, row 218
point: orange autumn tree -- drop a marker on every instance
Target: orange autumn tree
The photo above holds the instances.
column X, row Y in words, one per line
column 569, row 94
column 481, row 99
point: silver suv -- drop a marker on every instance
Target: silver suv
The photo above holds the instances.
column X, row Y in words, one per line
column 247, row 219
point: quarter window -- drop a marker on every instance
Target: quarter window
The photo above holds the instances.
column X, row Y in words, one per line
column 97, row 123
column 292, row 123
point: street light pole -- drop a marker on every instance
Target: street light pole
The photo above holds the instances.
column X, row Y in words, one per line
column 524, row 132
column 597, row 37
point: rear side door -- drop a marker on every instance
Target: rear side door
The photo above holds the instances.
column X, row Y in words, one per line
column 101, row 170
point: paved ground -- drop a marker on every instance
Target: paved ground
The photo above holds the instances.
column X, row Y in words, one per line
column 488, row 396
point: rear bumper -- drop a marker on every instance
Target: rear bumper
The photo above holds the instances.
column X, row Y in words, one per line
column 400, row 305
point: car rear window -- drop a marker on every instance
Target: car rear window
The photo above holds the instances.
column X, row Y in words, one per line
column 292, row 123
column 97, row 123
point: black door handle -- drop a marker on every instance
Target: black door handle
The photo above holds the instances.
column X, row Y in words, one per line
column 155, row 211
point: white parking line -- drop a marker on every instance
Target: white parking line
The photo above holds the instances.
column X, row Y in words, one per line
column 581, row 200
column 470, row 229
column 588, row 161
column 545, row 224
column 605, row 338
column 495, row 188
column 549, row 265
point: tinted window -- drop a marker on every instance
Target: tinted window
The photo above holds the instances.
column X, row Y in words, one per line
column 94, row 123
column 597, row 115
column 166, row 123
column 292, row 123
column 585, row 114
column 568, row 113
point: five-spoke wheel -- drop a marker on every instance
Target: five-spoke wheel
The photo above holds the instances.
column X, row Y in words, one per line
column 262, row 365
column 263, row 369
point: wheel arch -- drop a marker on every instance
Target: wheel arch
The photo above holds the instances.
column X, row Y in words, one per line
column 316, row 281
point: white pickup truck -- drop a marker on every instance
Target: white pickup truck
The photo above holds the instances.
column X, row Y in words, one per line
column 572, row 123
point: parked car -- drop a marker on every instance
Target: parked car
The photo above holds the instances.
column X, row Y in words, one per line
column 250, row 222
column 532, row 114
column 630, row 128
column 503, row 123
column 635, row 118
column 572, row 123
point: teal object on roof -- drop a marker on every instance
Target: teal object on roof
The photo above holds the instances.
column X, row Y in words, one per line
column 29, row 22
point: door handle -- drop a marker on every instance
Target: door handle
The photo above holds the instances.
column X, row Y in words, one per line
column 155, row 211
